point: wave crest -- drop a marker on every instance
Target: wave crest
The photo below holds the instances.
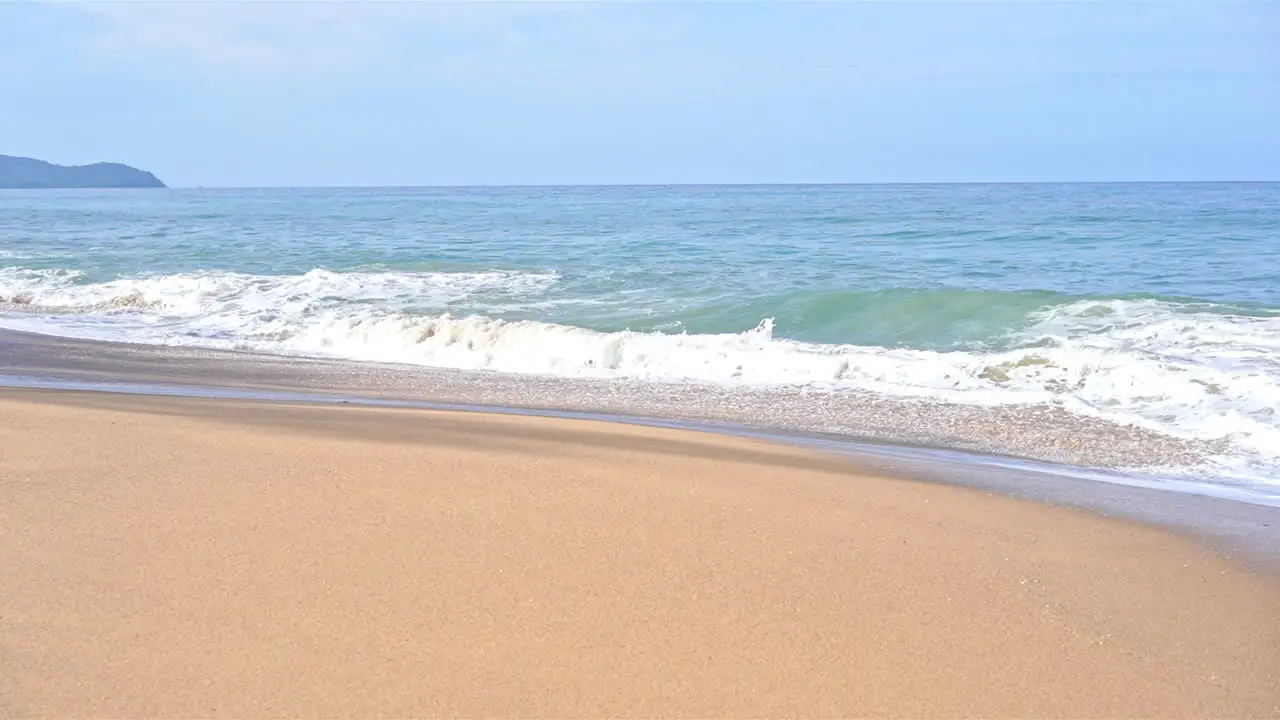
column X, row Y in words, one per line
column 204, row 293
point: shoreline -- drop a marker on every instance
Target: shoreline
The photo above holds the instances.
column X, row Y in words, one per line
column 222, row 557
column 1238, row 524
column 1030, row 432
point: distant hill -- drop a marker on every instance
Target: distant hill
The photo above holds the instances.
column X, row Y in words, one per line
column 29, row 173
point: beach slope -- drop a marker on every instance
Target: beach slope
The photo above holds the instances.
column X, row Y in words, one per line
column 183, row 558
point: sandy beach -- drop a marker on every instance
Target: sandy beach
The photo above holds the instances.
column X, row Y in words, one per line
column 200, row 558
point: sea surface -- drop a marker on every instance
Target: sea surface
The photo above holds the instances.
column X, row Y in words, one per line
column 1154, row 307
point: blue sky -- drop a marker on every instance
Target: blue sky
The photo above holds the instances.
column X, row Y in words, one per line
column 254, row 93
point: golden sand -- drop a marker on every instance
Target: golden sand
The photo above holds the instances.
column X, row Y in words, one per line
column 195, row 558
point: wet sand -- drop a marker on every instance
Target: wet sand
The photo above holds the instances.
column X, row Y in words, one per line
column 1031, row 432
column 197, row 558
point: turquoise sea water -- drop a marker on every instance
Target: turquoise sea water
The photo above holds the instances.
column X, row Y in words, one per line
column 1149, row 304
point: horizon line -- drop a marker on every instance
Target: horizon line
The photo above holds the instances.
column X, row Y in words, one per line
column 443, row 186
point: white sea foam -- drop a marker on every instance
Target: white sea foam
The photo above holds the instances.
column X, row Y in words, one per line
column 204, row 294
column 1191, row 372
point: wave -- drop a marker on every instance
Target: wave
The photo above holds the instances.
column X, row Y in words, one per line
column 1190, row 370
column 207, row 293
column 932, row 318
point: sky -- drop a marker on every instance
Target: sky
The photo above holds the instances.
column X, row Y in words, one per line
column 380, row 93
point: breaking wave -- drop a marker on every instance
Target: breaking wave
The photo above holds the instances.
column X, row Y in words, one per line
column 1191, row 370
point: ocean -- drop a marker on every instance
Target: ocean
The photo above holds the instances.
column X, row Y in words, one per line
column 1151, row 311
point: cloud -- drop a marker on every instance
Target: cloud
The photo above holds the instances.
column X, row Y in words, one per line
column 622, row 52
column 605, row 50
column 256, row 37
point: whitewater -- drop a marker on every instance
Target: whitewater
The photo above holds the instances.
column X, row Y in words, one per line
column 1143, row 306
